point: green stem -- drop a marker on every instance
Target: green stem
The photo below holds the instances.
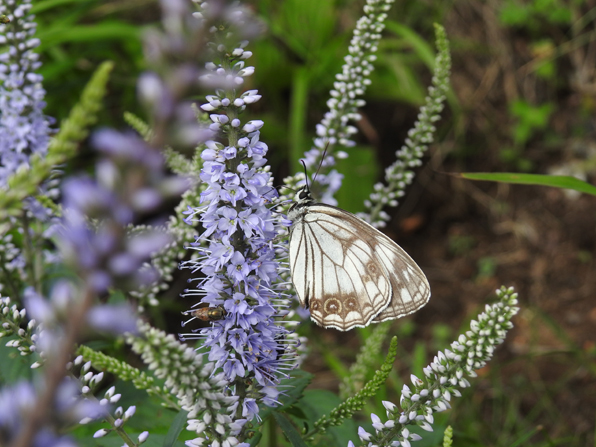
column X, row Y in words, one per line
column 298, row 106
column 29, row 252
column 7, row 277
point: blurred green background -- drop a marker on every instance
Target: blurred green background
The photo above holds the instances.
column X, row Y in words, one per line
column 523, row 99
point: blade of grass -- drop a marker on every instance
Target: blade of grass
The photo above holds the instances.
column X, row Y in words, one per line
column 555, row 181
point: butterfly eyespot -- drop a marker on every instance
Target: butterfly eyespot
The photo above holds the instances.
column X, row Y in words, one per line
column 333, row 306
column 372, row 269
column 351, row 304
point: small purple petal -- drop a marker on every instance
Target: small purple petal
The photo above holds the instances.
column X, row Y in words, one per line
column 117, row 319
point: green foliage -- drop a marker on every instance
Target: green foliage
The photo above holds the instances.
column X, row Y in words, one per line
column 363, row 165
column 545, row 50
column 124, row 371
column 555, row 181
column 401, row 55
column 529, row 120
column 289, row 430
column 138, row 124
column 73, row 130
column 76, row 36
column 175, row 429
column 178, row 163
column 305, row 51
column 460, row 244
column 355, row 403
column 531, row 13
column 364, row 363
column 420, row 136
column 448, row 437
column 487, row 266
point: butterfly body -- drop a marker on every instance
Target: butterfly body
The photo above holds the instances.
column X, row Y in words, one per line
column 347, row 272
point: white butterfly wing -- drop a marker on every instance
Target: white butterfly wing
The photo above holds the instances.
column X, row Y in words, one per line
column 334, row 268
column 410, row 288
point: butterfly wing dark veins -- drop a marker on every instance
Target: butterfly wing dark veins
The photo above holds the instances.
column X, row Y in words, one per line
column 346, row 271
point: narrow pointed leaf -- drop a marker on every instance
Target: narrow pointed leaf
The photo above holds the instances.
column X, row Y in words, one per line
column 555, row 181
column 289, row 430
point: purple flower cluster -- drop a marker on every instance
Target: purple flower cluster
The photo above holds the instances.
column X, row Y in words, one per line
column 239, row 264
column 24, row 129
column 17, row 401
column 130, row 180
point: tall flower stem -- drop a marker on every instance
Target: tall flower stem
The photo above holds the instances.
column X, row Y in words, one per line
column 55, row 371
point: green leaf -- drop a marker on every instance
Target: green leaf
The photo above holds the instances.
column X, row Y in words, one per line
column 317, row 403
column 254, row 441
column 42, row 6
column 175, row 429
column 289, row 430
column 85, row 33
column 363, row 166
column 556, row 181
column 15, row 367
column 293, row 388
column 420, row 46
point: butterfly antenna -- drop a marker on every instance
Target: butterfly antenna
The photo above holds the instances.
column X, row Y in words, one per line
column 321, row 163
column 306, row 175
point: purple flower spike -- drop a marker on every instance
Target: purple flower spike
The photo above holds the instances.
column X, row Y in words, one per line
column 105, row 255
column 24, row 129
column 237, row 249
column 116, row 319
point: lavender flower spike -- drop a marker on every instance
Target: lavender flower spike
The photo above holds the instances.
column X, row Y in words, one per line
column 240, row 262
column 24, row 129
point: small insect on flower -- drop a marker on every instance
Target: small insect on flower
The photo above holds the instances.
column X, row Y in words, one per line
column 347, row 272
column 210, row 313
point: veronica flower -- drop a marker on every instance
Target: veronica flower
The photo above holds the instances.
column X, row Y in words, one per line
column 68, row 407
column 24, row 129
column 401, row 173
column 105, row 255
column 444, row 376
column 237, row 250
column 346, row 98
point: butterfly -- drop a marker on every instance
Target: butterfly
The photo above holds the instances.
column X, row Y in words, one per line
column 347, row 272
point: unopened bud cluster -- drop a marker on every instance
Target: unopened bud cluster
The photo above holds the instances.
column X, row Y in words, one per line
column 346, row 98
column 443, row 377
column 400, row 174
column 12, row 318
